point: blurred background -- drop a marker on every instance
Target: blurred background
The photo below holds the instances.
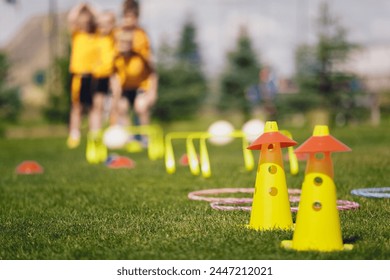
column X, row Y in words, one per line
column 299, row 62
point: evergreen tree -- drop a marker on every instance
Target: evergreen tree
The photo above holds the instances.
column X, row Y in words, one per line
column 187, row 50
column 10, row 103
column 182, row 85
column 58, row 105
column 318, row 70
column 241, row 72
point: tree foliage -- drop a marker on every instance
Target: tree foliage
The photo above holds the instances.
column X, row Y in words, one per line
column 58, row 105
column 10, row 103
column 242, row 71
column 318, row 69
column 182, row 84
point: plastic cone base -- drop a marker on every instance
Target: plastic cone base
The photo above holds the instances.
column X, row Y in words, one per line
column 121, row 162
column 288, row 244
column 29, row 167
column 184, row 160
column 268, row 228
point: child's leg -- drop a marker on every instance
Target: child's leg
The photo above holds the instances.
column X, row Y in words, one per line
column 96, row 112
column 142, row 109
column 81, row 96
column 75, row 112
column 123, row 112
column 100, row 88
column 74, row 125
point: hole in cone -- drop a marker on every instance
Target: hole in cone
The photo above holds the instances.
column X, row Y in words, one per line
column 272, row 169
column 318, row 181
column 319, row 156
column 317, row 206
column 29, row 167
column 273, row 191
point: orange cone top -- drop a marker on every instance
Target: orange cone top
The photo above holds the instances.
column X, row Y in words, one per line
column 271, row 135
column 322, row 141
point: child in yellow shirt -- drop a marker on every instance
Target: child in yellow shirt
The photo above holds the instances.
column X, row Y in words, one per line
column 136, row 81
column 140, row 42
column 82, row 24
column 101, row 72
column 104, row 66
column 136, row 85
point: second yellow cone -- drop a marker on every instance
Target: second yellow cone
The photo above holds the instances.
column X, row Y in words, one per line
column 318, row 224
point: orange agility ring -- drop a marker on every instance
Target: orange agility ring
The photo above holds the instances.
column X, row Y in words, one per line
column 29, row 167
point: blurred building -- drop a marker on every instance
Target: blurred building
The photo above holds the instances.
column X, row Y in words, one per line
column 31, row 51
column 372, row 65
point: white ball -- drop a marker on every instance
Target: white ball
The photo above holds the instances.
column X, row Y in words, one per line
column 220, row 132
column 115, row 137
column 253, row 129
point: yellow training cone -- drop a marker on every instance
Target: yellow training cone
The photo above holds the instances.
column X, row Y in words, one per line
column 318, row 225
column 271, row 205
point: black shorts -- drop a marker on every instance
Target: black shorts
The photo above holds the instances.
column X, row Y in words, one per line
column 81, row 89
column 130, row 95
column 101, row 85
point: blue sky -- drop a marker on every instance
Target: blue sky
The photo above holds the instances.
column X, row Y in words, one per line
column 275, row 27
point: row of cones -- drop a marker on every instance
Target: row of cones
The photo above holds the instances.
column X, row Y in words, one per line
column 317, row 224
column 30, row 167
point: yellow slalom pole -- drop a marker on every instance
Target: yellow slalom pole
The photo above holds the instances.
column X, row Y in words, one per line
column 170, row 164
column 247, row 154
column 159, row 142
column 156, row 139
column 292, row 157
column 155, row 142
column 204, row 157
column 193, row 161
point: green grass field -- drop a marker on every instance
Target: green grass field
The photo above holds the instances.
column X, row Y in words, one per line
column 80, row 211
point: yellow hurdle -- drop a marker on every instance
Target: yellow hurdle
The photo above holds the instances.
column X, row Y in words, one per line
column 170, row 163
column 204, row 155
column 156, row 139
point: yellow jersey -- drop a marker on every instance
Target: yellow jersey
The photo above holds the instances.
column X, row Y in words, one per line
column 83, row 54
column 105, row 54
column 141, row 43
column 133, row 71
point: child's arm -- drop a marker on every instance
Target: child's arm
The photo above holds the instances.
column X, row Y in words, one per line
column 74, row 14
column 116, row 89
column 153, row 86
